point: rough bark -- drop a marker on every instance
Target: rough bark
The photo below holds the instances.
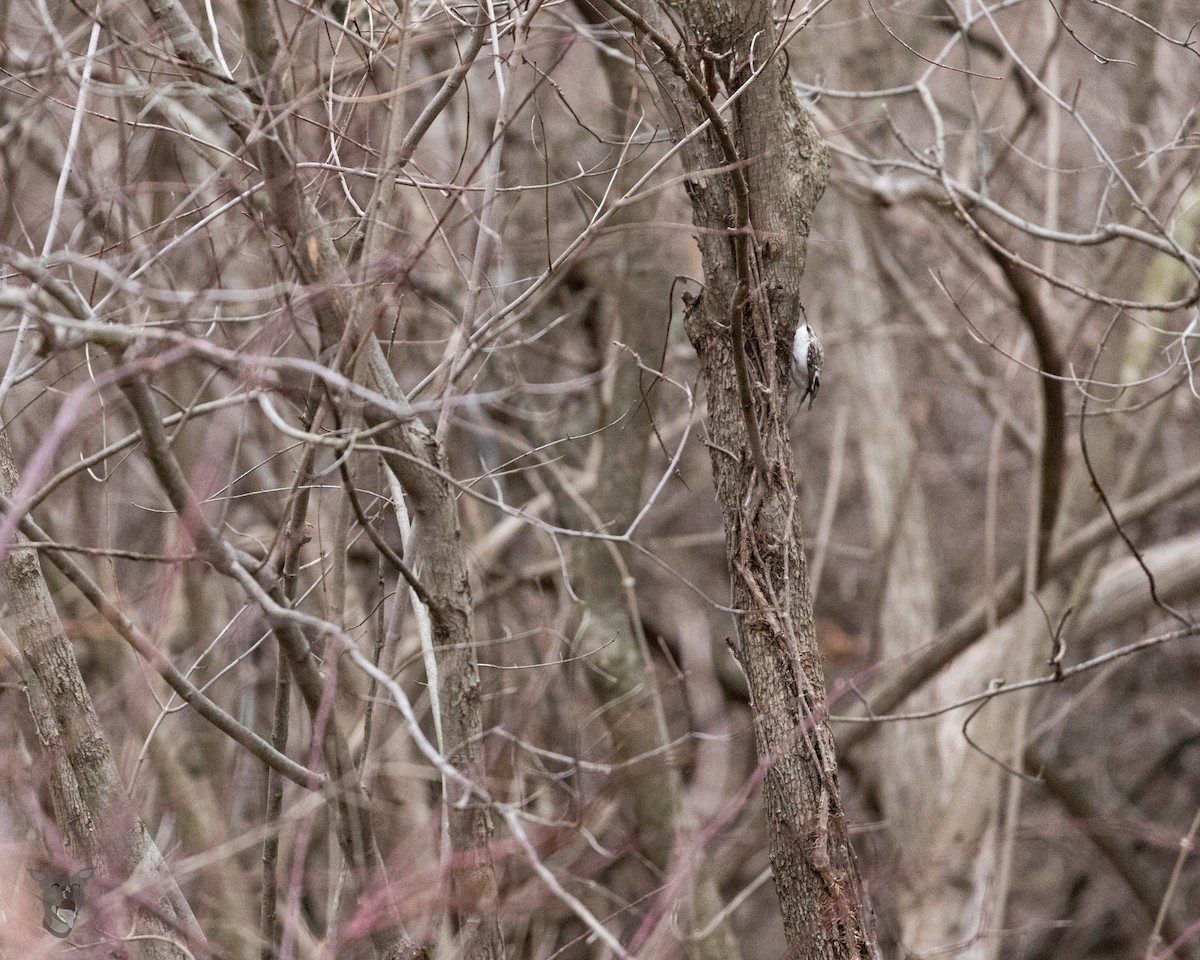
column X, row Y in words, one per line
column 764, row 220
column 92, row 810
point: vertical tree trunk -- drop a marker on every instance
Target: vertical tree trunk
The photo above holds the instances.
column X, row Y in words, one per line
column 93, row 813
column 753, row 217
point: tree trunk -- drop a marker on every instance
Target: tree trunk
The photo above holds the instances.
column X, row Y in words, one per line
column 92, row 811
column 753, row 219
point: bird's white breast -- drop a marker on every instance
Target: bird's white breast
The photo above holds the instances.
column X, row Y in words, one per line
column 800, row 351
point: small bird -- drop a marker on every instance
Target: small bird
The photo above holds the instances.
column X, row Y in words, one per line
column 807, row 357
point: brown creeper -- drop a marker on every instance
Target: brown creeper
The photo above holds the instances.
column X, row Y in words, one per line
column 807, row 357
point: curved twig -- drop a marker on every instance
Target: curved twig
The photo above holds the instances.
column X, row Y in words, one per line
column 1054, row 415
column 1099, row 488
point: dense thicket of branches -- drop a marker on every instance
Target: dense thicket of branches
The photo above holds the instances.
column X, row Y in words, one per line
column 410, row 541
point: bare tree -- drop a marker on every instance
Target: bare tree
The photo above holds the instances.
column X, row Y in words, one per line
column 411, row 543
